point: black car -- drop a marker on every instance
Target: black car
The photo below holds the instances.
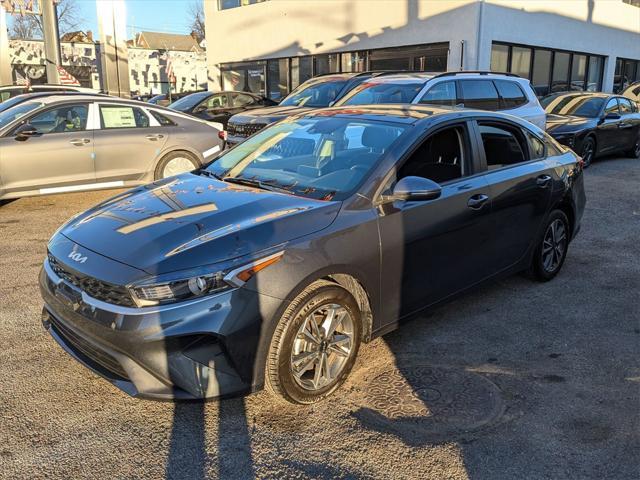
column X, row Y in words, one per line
column 318, row 92
column 219, row 106
column 594, row 124
column 270, row 266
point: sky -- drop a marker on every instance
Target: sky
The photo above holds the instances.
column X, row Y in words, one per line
column 169, row 16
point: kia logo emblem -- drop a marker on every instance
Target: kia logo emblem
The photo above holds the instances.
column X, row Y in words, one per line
column 76, row 256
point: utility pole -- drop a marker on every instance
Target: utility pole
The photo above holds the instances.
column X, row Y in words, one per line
column 5, row 61
column 53, row 58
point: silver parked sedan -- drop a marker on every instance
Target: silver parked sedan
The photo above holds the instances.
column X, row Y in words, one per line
column 73, row 143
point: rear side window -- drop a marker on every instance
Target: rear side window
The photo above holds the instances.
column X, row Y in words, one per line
column 121, row 116
column 612, row 107
column 511, row 95
column 480, row 94
column 162, row 120
column 443, row 93
column 503, row 145
column 625, row 106
column 242, row 99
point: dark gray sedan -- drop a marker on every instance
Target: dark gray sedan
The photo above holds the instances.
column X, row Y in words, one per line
column 64, row 143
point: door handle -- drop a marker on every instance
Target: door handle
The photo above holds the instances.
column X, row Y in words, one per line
column 543, row 181
column 477, row 201
column 624, row 125
column 154, row 137
column 78, row 142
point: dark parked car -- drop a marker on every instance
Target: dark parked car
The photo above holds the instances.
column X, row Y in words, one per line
column 318, row 92
column 594, row 124
column 219, row 106
column 270, row 266
column 165, row 99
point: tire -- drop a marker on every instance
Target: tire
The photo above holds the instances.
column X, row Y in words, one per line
column 588, row 151
column 541, row 268
column 175, row 163
column 291, row 348
column 634, row 152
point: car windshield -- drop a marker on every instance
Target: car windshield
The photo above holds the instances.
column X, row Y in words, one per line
column 324, row 158
column 577, row 105
column 317, row 92
column 190, row 101
column 7, row 104
column 8, row 116
column 382, row 92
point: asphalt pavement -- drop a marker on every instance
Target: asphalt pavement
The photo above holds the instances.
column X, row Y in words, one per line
column 515, row 380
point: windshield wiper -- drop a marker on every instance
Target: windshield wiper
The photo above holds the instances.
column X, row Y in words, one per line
column 210, row 174
column 250, row 182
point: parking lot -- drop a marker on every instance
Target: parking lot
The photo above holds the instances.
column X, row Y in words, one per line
column 517, row 379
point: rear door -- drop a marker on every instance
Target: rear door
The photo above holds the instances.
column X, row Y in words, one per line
column 58, row 159
column 629, row 125
column 521, row 181
column 128, row 143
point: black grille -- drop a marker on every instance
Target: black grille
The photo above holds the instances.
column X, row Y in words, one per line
column 97, row 359
column 93, row 287
column 244, row 129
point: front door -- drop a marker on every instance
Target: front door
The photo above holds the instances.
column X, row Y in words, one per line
column 58, row 158
column 128, row 143
column 609, row 128
column 432, row 249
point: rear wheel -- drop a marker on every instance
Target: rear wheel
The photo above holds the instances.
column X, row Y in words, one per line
column 315, row 344
column 551, row 251
column 588, row 151
column 634, row 152
column 176, row 163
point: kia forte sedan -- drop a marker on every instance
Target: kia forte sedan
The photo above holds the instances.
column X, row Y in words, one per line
column 69, row 143
column 268, row 268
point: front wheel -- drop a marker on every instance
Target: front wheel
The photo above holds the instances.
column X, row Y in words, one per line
column 588, row 151
column 315, row 344
column 634, row 152
column 551, row 251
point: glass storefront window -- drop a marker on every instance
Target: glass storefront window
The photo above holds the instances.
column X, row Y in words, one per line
column 354, row 62
column 277, row 78
column 578, row 72
column 499, row 58
column 595, row 74
column 560, row 72
column 245, row 78
column 301, row 70
column 521, row 61
column 327, row 64
column 541, row 71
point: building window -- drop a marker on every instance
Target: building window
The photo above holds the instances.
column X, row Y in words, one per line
column 244, row 77
column 627, row 72
column 327, row 63
column 277, row 78
column 301, row 70
column 428, row 57
column 354, row 62
column 549, row 71
column 225, row 4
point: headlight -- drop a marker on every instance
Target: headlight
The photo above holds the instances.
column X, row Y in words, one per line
column 196, row 283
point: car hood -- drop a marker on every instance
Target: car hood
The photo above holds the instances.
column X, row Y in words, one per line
column 567, row 123
column 268, row 114
column 192, row 220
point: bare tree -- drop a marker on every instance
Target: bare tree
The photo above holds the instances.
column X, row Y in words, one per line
column 196, row 13
column 30, row 26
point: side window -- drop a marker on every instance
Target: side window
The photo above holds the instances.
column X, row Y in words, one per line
column 441, row 157
column 217, row 101
column 242, row 100
column 511, row 95
column 612, row 107
column 536, row 146
column 162, row 120
column 479, row 94
column 503, row 145
column 625, row 106
column 122, row 116
column 443, row 93
column 69, row 118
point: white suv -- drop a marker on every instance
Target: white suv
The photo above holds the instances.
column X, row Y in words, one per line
column 504, row 92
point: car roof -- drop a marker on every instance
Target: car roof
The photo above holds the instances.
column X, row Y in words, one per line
column 88, row 97
column 409, row 77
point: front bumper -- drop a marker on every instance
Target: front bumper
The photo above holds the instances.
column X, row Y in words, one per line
column 201, row 349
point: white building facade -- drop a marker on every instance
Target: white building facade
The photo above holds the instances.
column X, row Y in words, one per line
column 270, row 47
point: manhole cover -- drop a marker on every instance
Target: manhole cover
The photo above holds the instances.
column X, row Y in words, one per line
column 430, row 401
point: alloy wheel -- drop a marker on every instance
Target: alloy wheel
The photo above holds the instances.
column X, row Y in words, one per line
column 636, row 150
column 587, row 152
column 554, row 245
column 322, row 347
column 176, row 166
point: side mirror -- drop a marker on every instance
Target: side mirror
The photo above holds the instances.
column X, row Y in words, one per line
column 412, row 189
column 26, row 131
column 612, row 116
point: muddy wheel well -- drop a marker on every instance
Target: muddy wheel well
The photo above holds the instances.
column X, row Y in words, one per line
column 360, row 294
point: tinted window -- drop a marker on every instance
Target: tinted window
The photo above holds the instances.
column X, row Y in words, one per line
column 577, row 105
column 242, row 99
column 216, row 101
column 122, row 116
column 612, row 106
column 499, row 58
column 444, row 93
column 189, row 101
column 625, row 106
column 479, row 94
column 375, row 93
column 502, row 145
column 511, row 95
column 314, row 93
column 162, row 120
column 69, row 118
column 521, row 61
column 324, row 158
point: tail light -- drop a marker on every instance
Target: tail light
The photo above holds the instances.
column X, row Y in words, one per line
column 222, row 135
